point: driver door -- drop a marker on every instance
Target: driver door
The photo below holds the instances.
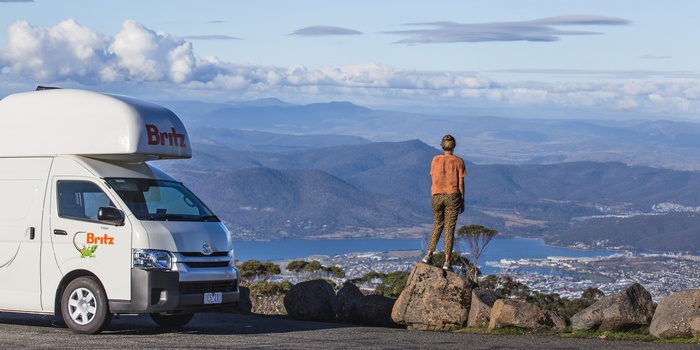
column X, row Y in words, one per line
column 81, row 242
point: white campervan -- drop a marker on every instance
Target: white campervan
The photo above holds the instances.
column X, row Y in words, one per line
column 88, row 228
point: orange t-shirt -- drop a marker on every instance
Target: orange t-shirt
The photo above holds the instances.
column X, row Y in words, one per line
column 446, row 171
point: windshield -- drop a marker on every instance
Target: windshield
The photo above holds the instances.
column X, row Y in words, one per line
column 159, row 200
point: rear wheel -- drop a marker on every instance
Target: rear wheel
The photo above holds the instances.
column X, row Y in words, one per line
column 171, row 320
column 84, row 306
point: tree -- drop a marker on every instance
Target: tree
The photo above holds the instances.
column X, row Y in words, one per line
column 477, row 238
column 313, row 267
column 296, row 267
column 251, row 270
column 368, row 277
column 335, row 271
column 491, row 282
column 512, row 288
column 270, row 269
column 393, row 284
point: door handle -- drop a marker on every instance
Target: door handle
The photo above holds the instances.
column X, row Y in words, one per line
column 60, row 232
column 32, row 232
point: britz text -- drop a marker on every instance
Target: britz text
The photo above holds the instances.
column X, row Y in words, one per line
column 172, row 138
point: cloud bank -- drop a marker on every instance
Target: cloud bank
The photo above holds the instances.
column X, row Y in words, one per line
column 535, row 30
column 145, row 59
column 324, row 30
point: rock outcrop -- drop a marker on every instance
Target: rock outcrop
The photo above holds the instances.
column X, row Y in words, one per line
column 626, row 310
column 346, row 303
column 480, row 310
column 311, row 301
column 677, row 315
column 514, row 313
column 375, row 311
column 433, row 299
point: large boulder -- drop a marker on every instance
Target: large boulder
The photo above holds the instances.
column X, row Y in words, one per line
column 346, row 302
column 480, row 311
column 626, row 310
column 677, row 315
column 433, row 299
column 311, row 301
column 375, row 311
column 244, row 302
column 514, row 313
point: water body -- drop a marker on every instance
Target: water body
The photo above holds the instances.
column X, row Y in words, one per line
column 497, row 249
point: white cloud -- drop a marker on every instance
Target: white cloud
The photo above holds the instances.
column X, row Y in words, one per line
column 149, row 56
column 66, row 51
column 142, row 58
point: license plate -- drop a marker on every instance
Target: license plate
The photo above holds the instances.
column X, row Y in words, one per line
column 213, row 298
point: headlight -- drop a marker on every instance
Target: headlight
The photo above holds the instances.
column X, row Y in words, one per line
column 152, row 259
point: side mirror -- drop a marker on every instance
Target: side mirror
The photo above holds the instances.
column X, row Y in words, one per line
column 110, row 215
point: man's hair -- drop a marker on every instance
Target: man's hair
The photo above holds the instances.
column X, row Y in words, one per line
column 448, row 143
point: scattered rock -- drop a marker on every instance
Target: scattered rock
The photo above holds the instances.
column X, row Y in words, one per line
column 480, row 311
column 677, row 315
column 311, row 301
column 514, row 313
column 626, row 310
column 346, row 303
column 244, row 303
column 375, row 311
column 433, row 299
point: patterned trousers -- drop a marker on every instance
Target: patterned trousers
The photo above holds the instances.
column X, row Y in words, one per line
column 445, row 211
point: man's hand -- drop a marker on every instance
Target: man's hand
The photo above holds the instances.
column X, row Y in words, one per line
column 461, row 207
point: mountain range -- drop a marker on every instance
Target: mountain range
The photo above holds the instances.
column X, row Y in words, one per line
column 272, row 170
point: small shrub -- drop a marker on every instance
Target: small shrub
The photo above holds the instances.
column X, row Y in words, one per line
column 265, row 288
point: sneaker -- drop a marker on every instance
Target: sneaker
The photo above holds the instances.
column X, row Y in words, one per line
column 428, row 259
column 447, row 266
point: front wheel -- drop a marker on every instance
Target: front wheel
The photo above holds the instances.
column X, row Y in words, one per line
column 84, row 306
column 171, row 320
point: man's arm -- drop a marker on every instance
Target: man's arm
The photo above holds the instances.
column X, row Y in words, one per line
column 461, row 191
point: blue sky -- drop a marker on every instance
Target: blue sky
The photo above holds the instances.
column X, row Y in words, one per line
column 552, row 58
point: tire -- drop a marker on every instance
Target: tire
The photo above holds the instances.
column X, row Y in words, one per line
column 84, row 306
column 171, row 320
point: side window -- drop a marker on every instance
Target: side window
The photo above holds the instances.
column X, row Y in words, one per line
column 80, row 200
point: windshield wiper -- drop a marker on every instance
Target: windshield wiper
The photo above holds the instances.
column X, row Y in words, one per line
column 207, row 218
column 164, row 217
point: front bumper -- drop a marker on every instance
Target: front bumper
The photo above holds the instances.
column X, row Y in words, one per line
column 162, row 292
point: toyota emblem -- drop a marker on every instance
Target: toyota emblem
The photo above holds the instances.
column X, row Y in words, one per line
column 206, row 249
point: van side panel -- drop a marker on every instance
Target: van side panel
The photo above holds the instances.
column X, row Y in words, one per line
column 22, row 193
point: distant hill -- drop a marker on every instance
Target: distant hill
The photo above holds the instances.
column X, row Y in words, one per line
column 274, row 169
column 384, row 185
column 264, row 203
column 483, row 139
column 670, row 232
column 260, row 141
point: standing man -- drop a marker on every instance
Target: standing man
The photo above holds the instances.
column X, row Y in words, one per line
column 447, row 172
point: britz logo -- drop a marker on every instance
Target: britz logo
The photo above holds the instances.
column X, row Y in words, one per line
column 94, row 239
column 172, row 138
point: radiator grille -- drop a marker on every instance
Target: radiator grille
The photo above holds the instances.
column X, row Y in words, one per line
column 198, row 254
column 208, row 287
column 201, row 264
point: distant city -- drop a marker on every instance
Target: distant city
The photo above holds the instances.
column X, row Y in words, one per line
column 660, row 274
